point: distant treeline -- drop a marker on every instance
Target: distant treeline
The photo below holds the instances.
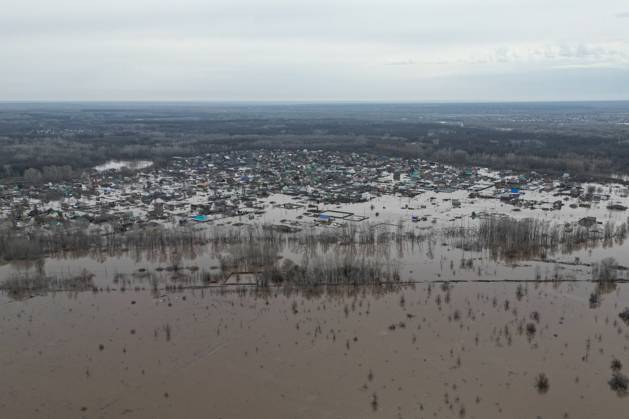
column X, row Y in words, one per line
column 56, row 143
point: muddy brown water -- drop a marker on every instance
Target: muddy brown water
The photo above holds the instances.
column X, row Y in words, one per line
column 423, row 351
column 208, row 354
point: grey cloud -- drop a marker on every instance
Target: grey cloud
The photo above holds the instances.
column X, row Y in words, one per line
column 301, row 49
column 394, row 21
column 401, row 62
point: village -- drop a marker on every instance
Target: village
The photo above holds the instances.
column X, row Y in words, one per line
column 322, row 188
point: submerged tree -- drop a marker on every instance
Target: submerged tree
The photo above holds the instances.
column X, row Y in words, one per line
column 541, row 383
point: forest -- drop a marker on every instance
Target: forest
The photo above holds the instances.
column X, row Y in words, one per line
column 58, row 141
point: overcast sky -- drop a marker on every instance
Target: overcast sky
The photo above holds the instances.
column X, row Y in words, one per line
column 303, row 50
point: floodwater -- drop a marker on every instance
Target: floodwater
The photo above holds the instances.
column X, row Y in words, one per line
column 412, row 352
column 136, row 348
column 123, row 164
column 423, row 262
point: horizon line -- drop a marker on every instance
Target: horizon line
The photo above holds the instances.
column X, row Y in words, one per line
column 303, row 101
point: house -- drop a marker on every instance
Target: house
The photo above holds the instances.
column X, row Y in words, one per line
column 587, row 221
column 324, row 219
column 616, row 207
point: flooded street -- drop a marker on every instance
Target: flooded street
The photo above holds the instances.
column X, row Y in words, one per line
column 465, row 350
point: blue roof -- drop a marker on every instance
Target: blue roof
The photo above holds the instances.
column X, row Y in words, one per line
column 200, row 218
